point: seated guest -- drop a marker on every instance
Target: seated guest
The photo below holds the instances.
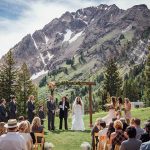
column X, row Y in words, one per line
column 28, row 130
column 36, row 127
column 118, row 136
column 41, row 114
column 22, row 131
column 103, row 129
column 95, row 130
column 21, row 118
column 145, row 146
column 125, row 125
column 139, row 130
column 146, row 136
column 102, row 133
column 12, row 140
column 2, row 128
column 132, row 143
column 132, row 121
column 111, row 129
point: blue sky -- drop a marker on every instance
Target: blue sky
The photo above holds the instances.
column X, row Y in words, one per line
column 20, row 17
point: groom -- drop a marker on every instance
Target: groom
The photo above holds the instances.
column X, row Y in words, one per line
column 63, row 106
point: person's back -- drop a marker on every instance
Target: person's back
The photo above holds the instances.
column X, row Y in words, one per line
column 139, row 130
column 131, row 144
column 145, row 146
column 12, row 141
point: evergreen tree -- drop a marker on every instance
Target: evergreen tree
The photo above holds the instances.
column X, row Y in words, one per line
column 112, row 81
column 8, row 77
column 147, row 83
column 25, row 88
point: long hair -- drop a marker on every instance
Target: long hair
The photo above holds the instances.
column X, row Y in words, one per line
column 78, row 101
column 2, row 128
column 120, row 101
column 36, row 123
column 23, row 126
column 28, row 129
column 113, row 100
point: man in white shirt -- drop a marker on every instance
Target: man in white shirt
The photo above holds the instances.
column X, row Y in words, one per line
column 12, row 140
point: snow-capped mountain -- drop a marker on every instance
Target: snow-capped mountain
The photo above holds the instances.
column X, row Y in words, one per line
column 96, row 32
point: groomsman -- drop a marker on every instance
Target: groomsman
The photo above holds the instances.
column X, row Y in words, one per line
column 63, row 106
column 12, row 108
column 30, row 108
column 3, row 112
column 51, row 106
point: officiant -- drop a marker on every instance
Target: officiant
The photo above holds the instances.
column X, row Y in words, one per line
column 63, row 114
column 51, row 106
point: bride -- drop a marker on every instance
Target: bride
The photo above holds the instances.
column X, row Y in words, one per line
column 77, row 115
column 111, row 113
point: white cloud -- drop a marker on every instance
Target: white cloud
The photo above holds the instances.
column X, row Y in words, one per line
column 41, row 12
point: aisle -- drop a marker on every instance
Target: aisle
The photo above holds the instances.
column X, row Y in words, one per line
column 69, row 140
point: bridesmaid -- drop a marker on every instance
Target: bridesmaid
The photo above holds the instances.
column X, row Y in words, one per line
column 127, row 106
column 119, row 107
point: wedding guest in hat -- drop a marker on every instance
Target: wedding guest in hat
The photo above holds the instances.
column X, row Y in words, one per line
column 12, row 140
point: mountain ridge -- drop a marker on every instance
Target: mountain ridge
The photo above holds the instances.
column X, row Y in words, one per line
column 97, row 32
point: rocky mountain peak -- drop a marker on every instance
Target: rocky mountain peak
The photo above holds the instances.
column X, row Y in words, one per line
column 93, row 31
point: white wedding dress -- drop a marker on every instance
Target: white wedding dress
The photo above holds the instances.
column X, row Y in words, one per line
column 108, row 118
column 77, row 118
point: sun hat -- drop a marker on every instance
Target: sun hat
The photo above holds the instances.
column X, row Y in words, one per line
column 12, row 123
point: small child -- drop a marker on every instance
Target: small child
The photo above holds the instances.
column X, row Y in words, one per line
column 118, row 114
column 41, row 114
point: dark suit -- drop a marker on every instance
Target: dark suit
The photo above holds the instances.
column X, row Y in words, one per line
column 41, row 116
column 12, row 110
column 63, row 114
column 31, row 108
column 51, row 106
column 3, row 116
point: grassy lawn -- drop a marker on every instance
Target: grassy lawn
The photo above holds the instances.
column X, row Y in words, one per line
column 69, row 140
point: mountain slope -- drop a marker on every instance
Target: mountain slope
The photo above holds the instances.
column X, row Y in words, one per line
column 96, row 33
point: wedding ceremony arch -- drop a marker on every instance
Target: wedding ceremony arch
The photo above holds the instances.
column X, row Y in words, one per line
column 53, row 85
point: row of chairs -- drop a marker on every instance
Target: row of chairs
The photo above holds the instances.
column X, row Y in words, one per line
column 103, row 143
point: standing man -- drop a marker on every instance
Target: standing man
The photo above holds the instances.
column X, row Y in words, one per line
column 63, row 106
column 3, row 113
column 12, row 108
column 51, row 106
column 30, row 108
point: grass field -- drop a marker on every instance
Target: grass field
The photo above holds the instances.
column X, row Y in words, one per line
column 69, row 140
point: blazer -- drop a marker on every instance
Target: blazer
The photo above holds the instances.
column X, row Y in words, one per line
column 63, row 113
column 30, row 107
column 51, row 106
column 12, row 107
column 3, row 113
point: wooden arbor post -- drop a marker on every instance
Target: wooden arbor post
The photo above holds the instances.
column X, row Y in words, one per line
column 90, row 104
